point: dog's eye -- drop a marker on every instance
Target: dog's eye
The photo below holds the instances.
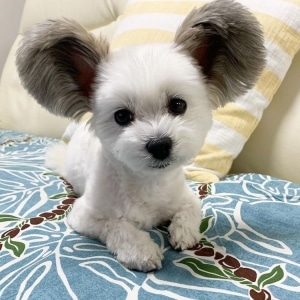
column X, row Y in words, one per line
column 177, row 106
column 123, row 117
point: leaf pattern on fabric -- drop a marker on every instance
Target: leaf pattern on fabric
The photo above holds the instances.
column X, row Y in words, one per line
column 226, row 267
column 8, row 238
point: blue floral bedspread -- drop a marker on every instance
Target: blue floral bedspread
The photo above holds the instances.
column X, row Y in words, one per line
column 250, row 247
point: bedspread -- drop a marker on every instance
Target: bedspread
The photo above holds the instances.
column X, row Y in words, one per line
column 249, row 247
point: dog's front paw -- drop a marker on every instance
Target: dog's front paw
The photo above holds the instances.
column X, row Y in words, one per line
column 183, row 236
column 140, row 256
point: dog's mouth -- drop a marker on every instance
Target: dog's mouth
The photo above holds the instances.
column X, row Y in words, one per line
column 161, row 164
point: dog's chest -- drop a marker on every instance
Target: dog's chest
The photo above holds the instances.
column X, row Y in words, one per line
column 149, row 203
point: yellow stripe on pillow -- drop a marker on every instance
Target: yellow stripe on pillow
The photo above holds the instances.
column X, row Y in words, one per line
column 209, row 158
column 296, row 2
column 167, row 7
column 267, row 84
column 276, row 31
column 141, row 36
column 228, row 116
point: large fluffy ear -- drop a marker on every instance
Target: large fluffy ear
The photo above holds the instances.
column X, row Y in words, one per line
column 57, row 62
column 227, row 42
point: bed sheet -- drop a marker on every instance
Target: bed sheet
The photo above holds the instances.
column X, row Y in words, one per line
column 249, row 247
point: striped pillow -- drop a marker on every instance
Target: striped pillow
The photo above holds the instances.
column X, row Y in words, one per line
column 150, row 21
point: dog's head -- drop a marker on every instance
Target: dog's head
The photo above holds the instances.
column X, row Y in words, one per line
column 151, row 104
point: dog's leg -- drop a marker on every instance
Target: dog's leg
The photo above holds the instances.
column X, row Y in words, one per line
column 184, row 229
column 133, row 247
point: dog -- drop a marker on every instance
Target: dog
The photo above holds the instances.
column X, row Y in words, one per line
column 151, row 110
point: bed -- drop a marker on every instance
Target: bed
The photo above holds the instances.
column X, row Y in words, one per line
column 249, row 247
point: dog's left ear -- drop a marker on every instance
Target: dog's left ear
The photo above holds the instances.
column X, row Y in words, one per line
column 225, row 39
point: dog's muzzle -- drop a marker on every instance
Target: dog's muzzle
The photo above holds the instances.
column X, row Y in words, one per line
column 160, row 148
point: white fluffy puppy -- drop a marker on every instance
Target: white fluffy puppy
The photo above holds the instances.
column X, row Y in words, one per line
column 151, row 112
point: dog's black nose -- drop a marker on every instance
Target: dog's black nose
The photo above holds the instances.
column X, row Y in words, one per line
column 160, row 148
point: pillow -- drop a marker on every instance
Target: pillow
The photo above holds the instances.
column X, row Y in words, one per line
column 150, row 21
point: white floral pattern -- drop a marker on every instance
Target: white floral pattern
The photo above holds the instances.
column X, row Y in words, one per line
column 249, row 250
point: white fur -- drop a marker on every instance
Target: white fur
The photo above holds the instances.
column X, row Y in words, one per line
column 121, row 192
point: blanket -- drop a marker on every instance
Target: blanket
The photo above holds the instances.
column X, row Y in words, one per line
column 249, row 247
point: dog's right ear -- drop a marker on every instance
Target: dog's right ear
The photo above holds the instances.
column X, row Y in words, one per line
column 57, row 63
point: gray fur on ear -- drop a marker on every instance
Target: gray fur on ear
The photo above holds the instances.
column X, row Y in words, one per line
column 227, row 42
column 57, row 63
